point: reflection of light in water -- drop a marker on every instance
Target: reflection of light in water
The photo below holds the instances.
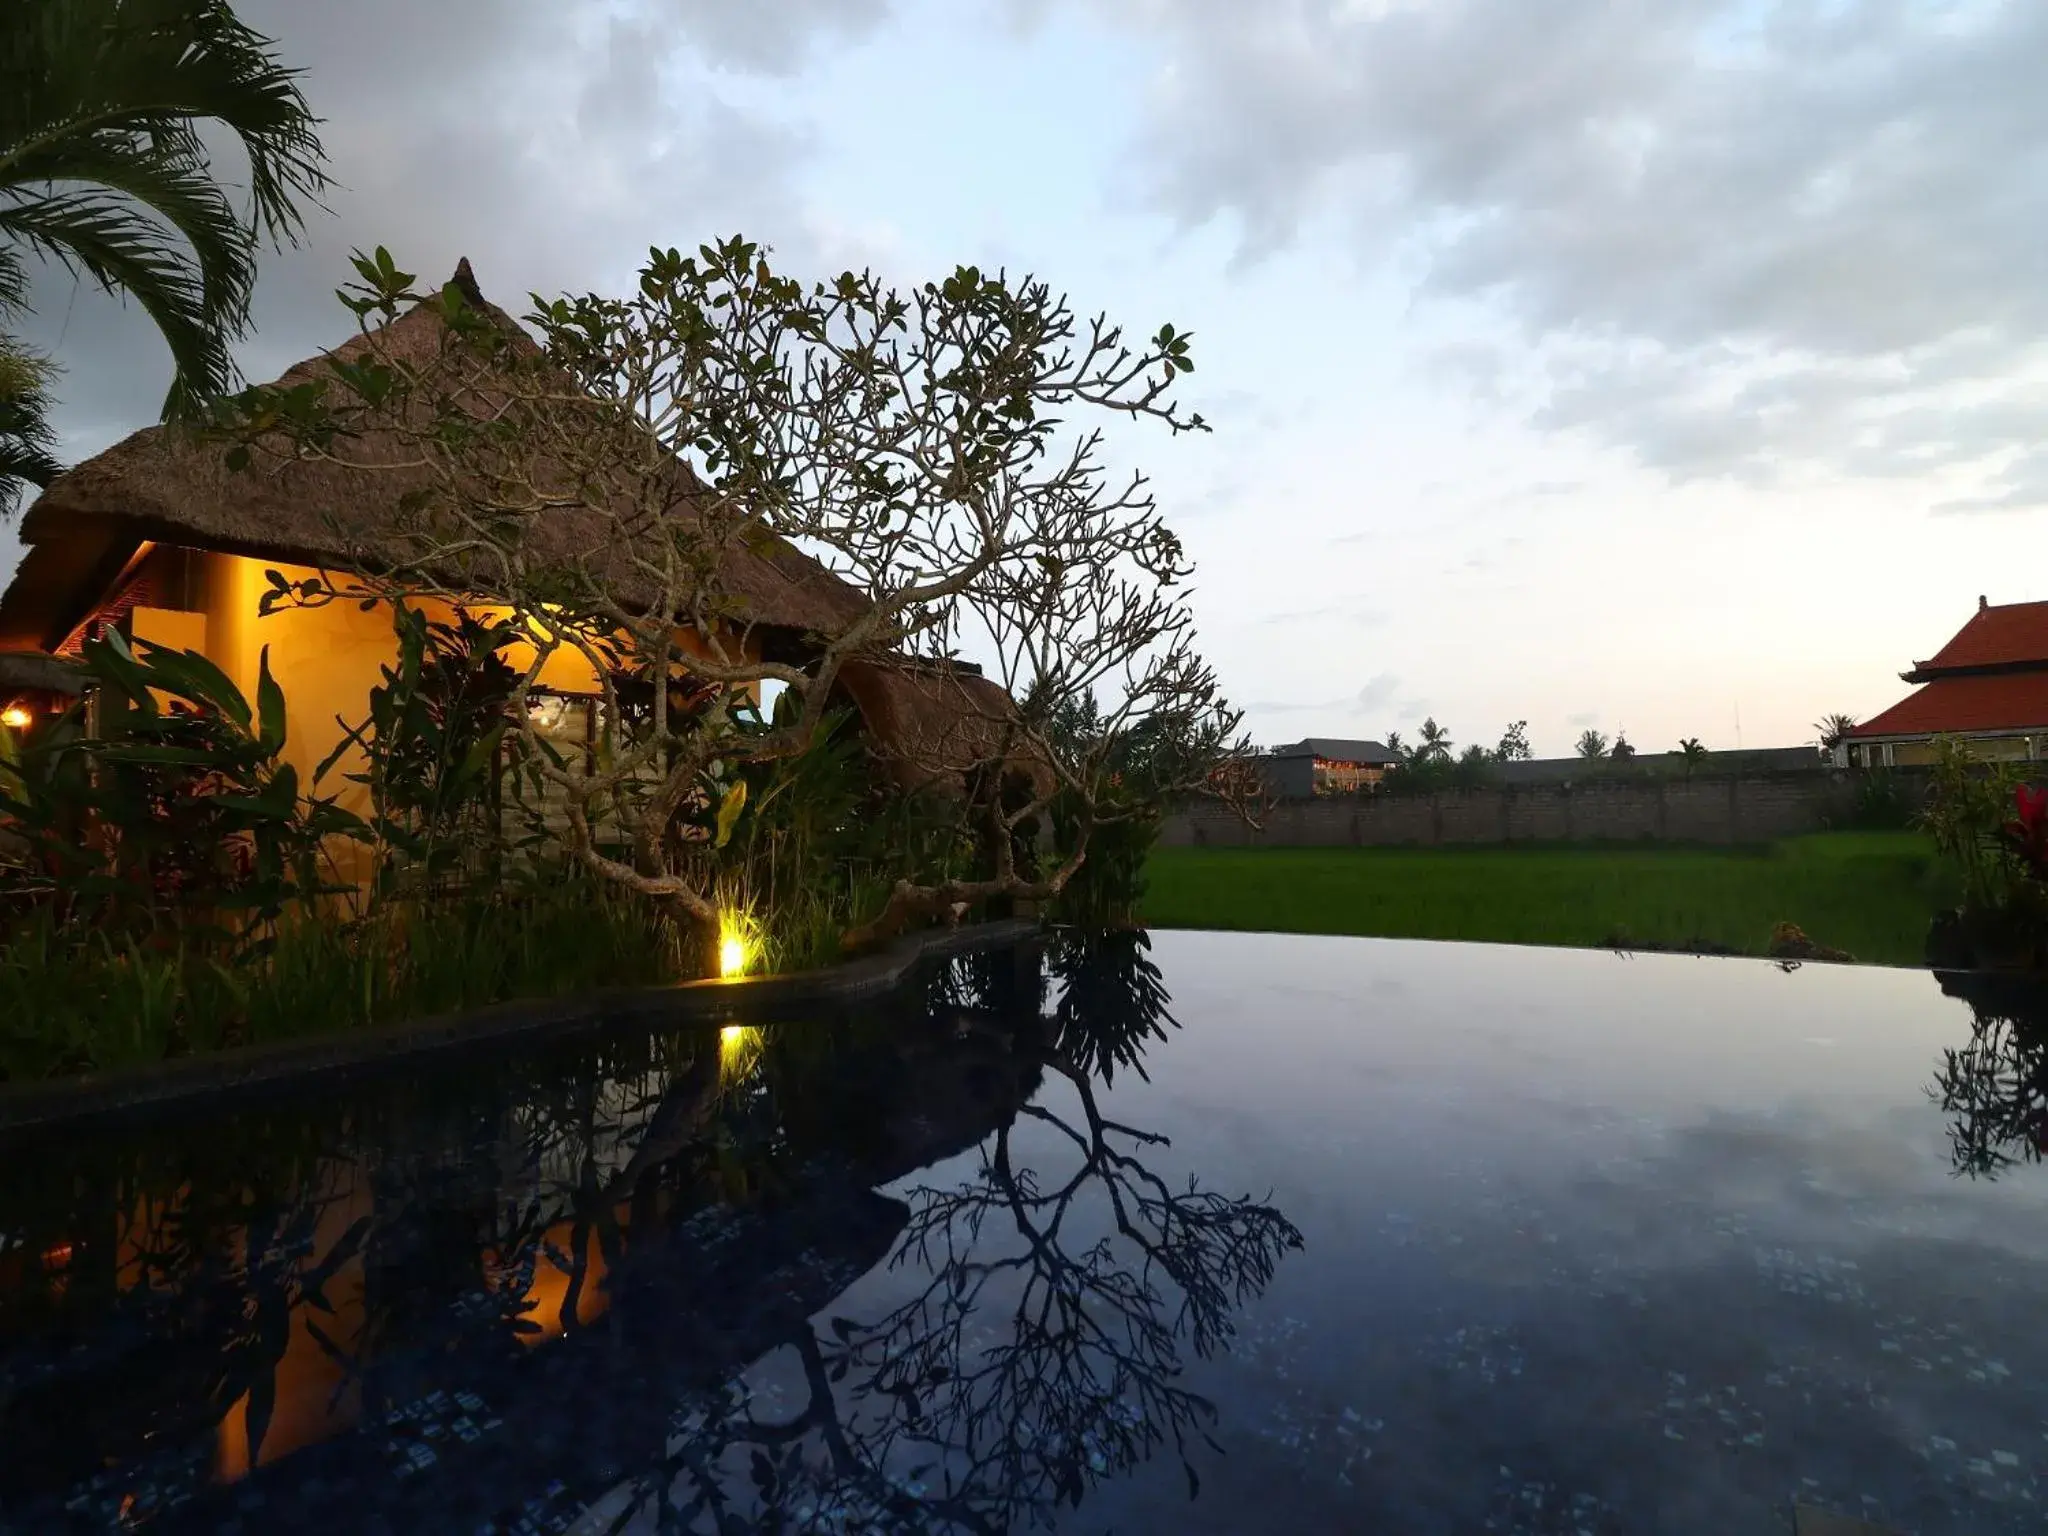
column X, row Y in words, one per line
column 545, row 1298
column 739, row 1051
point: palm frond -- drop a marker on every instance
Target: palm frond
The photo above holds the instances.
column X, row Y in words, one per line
column 103, row 169
column 27, row 440
column 156, row 69
column 106, row 238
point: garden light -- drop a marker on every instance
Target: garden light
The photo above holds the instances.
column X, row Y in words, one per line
column 17, row 717
column 736, row 948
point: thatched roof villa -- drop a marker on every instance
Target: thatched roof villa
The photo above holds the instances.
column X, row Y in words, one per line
column 159, row 537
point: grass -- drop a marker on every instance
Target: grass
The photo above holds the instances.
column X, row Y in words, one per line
column 1870, row 893
column 71, row 1003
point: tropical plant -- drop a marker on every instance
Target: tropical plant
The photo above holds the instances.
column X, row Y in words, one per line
column 1396, row 748
column 431, row 748
column 1993, row 828
column 1622, row 750
column 1693, row 750
column 105, row 168
column 1473, row 768
column 1592, row 743
column 918, row 443
column 1436, row 742
column 1514, row 744
column 28, row 443
column 1968, row 806
column 1834, row 730
column 177, row 818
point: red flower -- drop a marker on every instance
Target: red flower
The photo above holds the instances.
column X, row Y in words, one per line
column 2031, row 801
column 2028, row 831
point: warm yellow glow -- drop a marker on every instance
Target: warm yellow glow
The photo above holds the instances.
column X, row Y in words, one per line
column 738, row 949
column 16, row 717
column 739, row 1051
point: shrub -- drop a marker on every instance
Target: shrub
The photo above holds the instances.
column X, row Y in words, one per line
column 166, row 881
column 1992, row 827
column 1873, row 801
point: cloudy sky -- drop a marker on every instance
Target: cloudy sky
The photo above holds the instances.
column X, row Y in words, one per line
column 1673, row 366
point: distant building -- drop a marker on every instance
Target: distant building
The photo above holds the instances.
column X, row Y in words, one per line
column 1987, row 687
column 1324, row 765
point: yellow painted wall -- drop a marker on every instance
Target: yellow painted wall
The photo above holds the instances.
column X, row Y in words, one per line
column 325, row 659
column 170, row 627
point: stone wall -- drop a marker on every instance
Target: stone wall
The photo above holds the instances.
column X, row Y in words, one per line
column 1747, row 809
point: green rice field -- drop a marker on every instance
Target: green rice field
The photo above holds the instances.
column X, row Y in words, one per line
column 1871, row 894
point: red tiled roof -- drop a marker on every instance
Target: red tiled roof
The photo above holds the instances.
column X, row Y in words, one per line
column 2011, row 632
column 2009, row 701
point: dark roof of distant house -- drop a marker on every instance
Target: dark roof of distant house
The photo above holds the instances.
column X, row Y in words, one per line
column 1337, row 750
column 1995, row 701
column 2005, row 635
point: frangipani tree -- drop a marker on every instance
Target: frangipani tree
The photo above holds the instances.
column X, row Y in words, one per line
column 640, row 481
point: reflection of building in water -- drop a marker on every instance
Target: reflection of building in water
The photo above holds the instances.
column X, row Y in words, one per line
column 312, row 1391
column 658, row 1214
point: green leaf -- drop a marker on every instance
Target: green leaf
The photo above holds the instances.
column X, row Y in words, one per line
column 270, row 715
column 191, row 676
column 729, row 810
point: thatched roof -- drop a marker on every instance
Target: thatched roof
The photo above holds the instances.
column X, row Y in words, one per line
column 159, row 484
column 934, row 724
column 32, row 672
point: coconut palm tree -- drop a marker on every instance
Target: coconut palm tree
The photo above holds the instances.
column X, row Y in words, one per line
column 1436, row 741
column 1834, row 730
column 103, row 169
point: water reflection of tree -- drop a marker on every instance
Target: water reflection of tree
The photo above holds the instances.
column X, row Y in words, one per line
column 218, row 1258
column 1995, row 1088
column 926, row 1418
column 1112, row 1001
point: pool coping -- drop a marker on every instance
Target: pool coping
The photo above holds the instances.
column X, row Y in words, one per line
column 56, row 1102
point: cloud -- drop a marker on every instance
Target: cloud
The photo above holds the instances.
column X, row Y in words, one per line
column 1279, row 707
column 1377, row 694
column 2022, row 486
column 1378, row 691
column 1356, row 611
column 1747, row 238
column 775, row 39
column 550, row 147
column 1584, row 721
